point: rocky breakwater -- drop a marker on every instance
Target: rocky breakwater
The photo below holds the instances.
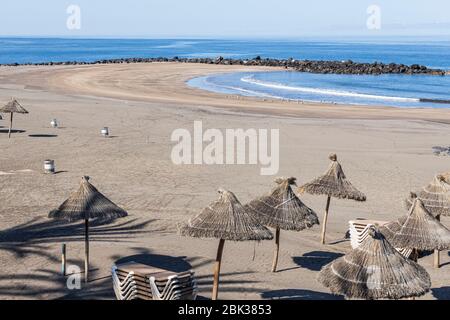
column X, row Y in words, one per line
column 335, row 67
column 311, row 66
column 350, row 67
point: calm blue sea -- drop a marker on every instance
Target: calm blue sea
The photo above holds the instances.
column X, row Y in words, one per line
column 394, row 90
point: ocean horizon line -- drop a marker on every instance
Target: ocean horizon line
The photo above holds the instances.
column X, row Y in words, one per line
column 327, row 38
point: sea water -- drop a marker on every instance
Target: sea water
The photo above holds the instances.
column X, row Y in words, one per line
column 392, row 90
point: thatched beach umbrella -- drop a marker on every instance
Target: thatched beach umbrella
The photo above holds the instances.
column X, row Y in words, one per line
column 375, row 270
column 436, row 199
column 12, row 107
column 435, row 196
column 390, row 229
column 84, row 204
column 282, row 210
column 419, row 230
column 224, row 219
column 332, row 184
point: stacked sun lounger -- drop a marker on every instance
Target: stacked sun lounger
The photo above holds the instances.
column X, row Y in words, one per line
column 137, row 281
column 359, row 231
column 175, row 287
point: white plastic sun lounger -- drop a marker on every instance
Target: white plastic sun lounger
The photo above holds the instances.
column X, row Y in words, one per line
column 177, row 288
column 359, row 231
column 132, row 281
column 126, row 289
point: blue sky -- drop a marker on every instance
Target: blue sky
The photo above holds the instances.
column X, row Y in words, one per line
column 230, row 18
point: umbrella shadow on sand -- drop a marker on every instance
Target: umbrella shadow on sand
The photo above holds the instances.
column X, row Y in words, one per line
column 12, row 131
column 33, row 237
column 442, row 293
column 316, row 260
column 39, row 283
column 42, row 135
column 50, row 284
column 298, row 294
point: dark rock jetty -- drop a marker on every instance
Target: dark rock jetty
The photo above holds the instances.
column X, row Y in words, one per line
column 311, row 66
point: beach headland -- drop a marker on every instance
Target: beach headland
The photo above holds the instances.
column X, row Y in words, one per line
column 386, row 152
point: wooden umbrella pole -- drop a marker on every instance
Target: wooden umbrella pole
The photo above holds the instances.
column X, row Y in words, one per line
column 215, row 292
column 415, row 258
column 277, row 249
column 437, row 253
column 415, row 254
column 86, row 251
column 325, row 219
column 10, row 125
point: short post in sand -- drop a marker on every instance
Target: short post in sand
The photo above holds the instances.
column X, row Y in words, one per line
column 63, row 259
column 224, row 219
column 332, row 183
column 86, row 203
column 10, row 125
column 282, row 209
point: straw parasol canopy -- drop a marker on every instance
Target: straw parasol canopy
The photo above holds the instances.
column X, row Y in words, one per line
column 420, row 230
column 435, row 196
column 436, row 199
column 12, row 107
column 333, row 183
column 224, row 219
column 281, row 209
column 375, row 270
column 390, row 229
column 227, row 219
column 84, row 204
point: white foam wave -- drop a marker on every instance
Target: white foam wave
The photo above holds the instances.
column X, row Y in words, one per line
column 329, row 92
column 177, row 44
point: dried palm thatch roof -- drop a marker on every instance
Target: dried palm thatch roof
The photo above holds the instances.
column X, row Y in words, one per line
column 87, row 202
column 282, row 208
column 225, row 219
column 375, row 270
column 420, row 230
column 333, row 183
column 390, row 229
column 435, row 196
column 13, row 106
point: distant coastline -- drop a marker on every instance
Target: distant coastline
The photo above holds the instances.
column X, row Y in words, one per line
column 309, row 66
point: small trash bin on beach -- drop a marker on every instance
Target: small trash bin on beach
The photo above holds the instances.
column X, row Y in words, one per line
column 49, row 166
column 105, row 132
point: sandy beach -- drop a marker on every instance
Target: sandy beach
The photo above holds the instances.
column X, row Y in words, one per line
column 385, row 152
